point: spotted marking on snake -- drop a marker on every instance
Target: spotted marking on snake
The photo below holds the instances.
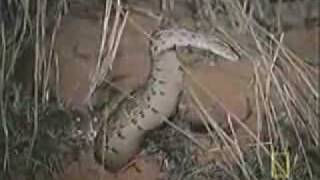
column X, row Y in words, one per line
column 157, row 99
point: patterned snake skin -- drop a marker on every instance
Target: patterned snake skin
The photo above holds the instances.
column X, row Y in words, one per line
column 121, row 136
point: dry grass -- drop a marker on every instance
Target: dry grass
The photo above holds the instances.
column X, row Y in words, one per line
column 286, row 92
column 286, row 97
column 23, row 25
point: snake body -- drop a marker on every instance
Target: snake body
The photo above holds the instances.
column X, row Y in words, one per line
column 120, row 138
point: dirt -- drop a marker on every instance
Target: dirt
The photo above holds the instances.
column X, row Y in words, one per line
column 77, row 57
column 226, row 83
column 224, row 89
column 305, row 43
column 146, row 168
column 77, row 48
column 133, row 62
column 77, row 44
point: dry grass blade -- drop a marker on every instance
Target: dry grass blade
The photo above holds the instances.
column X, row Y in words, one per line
column 283, row 74
column 2, row 97
column 285, row 88
column 110, row 38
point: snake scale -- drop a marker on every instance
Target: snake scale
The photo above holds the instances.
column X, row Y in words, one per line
column 120, row 137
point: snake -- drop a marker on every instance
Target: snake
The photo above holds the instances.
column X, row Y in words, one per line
column 122, row 134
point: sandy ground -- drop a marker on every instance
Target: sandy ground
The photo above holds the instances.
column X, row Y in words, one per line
column 228, row 83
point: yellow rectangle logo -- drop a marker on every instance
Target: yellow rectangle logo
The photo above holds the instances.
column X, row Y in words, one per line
column 280, row 164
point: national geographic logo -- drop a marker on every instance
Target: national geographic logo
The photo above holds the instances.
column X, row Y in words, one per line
column 280, row 164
